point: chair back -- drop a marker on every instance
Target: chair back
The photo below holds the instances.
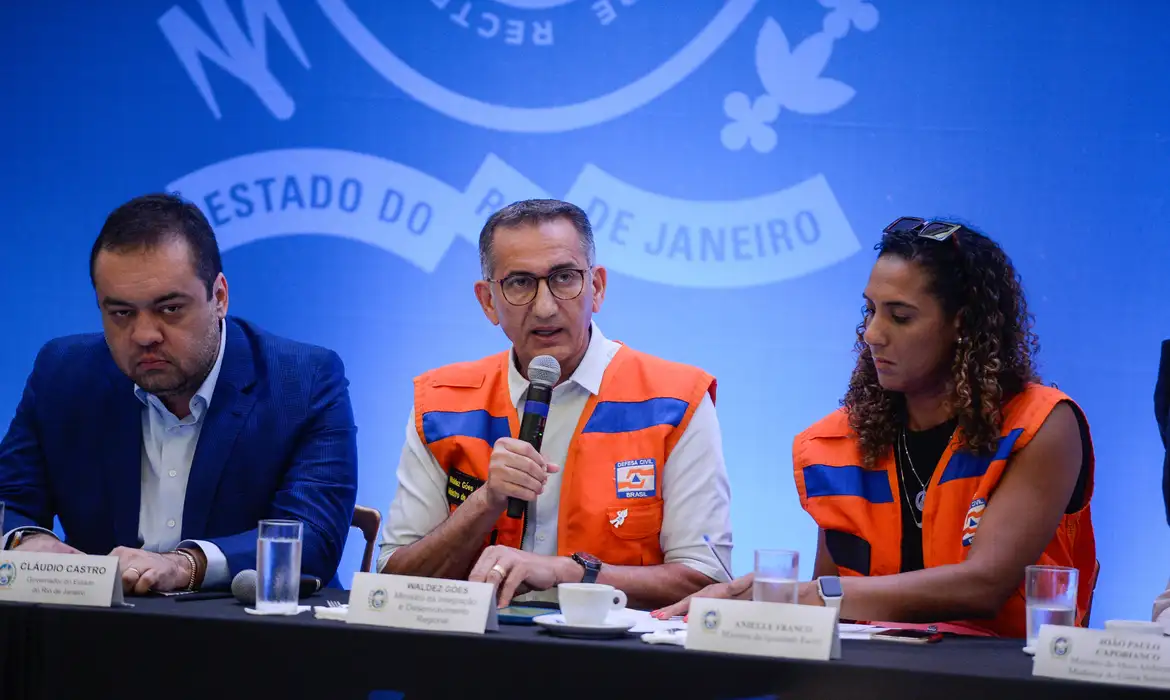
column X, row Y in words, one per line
column 369, row 521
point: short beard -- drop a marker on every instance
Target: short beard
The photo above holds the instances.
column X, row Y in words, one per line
column 189, row 383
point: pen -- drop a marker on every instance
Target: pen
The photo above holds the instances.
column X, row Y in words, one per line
column 715, row 554
column 203, row 595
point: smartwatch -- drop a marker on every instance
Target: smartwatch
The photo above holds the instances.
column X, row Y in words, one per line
column 590, row 563
column 829, row 588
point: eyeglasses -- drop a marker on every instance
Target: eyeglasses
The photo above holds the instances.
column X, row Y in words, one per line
column 934, row 230
column 520, row 289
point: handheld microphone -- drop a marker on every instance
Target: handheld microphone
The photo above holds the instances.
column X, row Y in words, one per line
column 543, row 373
column 244, row 586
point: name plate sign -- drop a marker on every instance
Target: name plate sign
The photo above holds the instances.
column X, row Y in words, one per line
column 780, row 630
column 60, row 579
column 419, row 603
column 1103, row 656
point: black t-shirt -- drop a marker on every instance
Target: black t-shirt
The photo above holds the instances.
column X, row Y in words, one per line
column 926, row 448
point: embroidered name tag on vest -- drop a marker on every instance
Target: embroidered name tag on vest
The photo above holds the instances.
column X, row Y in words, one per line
column 460, row 486
column 636, row 478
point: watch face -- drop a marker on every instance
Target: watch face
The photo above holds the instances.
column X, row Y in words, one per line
column 587, row 559
column 830, row 586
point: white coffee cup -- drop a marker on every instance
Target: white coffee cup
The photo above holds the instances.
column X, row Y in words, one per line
column 589, row 603
column 1134, row 626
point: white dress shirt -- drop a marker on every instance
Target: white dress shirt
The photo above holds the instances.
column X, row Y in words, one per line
column 695, row 491
column 168, row 448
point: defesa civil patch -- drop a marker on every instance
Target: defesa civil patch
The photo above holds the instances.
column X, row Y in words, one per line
column 637, row 478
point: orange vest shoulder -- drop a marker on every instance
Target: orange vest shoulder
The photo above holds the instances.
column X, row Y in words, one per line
column 831, row 433
column 442, row 397
column 469, row 375
column 642, row 374
column 1028, row 410
column 836, row 424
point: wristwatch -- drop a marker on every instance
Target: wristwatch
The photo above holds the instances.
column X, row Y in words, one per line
column 829, row 587
column 591, row 564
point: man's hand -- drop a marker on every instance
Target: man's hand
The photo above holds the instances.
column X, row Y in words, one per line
column 43, row 542
column 514, row 571
column 516, row 470
column 740, row 588
column 144, row 571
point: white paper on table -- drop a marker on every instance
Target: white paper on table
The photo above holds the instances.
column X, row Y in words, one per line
column 850, row 631
column 325, row 612
column 643, row 622
column 677, row 637
column 254, row 611
column 655, row 631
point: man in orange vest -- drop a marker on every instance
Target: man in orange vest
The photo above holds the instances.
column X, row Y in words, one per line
column 630, row 475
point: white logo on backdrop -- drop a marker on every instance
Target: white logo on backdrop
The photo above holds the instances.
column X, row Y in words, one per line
column 792, row 77
column 356, row 195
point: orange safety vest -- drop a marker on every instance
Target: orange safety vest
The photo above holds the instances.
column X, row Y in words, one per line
column 860, row 509
column 611, row 486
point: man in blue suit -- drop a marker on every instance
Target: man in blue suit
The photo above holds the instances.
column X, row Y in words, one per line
column 167, row 440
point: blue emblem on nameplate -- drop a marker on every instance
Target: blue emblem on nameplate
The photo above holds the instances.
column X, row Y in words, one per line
column 7, row 574
column 636, row 478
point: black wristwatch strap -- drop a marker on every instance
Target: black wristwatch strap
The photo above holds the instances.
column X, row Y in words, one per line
column 592, row 568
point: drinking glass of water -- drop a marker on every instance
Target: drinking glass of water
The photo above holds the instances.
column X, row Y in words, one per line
column 776, row 576
column 1051, row 596
column 278, row 566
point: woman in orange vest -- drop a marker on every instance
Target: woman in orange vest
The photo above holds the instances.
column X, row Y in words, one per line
column 949, row 467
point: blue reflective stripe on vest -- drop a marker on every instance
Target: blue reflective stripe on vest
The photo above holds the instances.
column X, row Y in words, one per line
column 964, row 465
column 822, row 480
column 626, row 417
column 474, row 424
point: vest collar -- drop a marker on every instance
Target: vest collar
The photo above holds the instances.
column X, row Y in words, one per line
column 588, row 375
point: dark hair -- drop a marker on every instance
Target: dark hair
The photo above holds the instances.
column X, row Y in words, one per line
column 533, row 211
column 971, row 276
column 147, row 221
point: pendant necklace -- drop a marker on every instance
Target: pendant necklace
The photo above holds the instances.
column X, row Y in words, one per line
column 920, row 499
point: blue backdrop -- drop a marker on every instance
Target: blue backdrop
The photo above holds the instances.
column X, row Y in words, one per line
column 740, row 158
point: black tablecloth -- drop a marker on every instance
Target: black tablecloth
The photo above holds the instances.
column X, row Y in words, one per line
column 212, row 649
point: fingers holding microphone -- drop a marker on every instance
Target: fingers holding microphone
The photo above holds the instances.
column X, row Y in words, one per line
column 543, row 374
column 516, row 470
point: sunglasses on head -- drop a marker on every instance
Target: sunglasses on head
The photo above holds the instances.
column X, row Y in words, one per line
column 934, row 230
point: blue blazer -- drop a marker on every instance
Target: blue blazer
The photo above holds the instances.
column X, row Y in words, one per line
column 278, row 441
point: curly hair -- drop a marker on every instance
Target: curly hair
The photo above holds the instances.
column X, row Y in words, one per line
column 970, row 275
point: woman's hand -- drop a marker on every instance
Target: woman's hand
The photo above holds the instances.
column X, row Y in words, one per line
column 740, row 588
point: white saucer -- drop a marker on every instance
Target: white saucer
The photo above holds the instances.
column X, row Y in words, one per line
column 1029, row 650
column 555, row 624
